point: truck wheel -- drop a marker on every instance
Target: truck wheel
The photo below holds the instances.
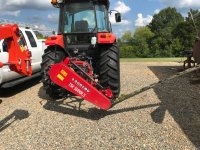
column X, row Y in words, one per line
column 49, row 58
column 109, row 69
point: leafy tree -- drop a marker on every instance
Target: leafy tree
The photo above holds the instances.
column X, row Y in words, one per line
column 39, row 35
column 186, row 34
column 166, row 18
column 119, row 41
column 127, row 37
column 127, row 51
column 162, row 26
column 141, row 39
column 176, row 47
column 166, row 36
column 143, row 33
column 155, row 45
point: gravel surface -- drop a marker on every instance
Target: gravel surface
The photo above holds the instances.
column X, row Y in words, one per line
column 165, row 117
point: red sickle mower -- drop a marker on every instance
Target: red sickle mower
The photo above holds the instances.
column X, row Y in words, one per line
column 83, row 58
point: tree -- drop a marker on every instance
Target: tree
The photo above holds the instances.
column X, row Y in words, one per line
column 166, row 36
column 127, row 51
column 176, row 47
column 127, row 37
column 141, row 39
column 126, row 46
column 166, row 18
column 143, row 33
column 39, row 35
column 186, row 34
column 162, row 26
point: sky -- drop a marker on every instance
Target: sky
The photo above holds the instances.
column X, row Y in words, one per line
column 135, row 13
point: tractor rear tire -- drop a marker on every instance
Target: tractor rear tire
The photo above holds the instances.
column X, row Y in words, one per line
column 50, row 58
column 109, row 69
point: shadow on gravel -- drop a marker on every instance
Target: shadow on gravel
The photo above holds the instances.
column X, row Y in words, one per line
column 16, row 115
column 92, row 113
column 182, row 100
column 8, row 92
column 42, row 94
column 73, row 107
column 163, row 72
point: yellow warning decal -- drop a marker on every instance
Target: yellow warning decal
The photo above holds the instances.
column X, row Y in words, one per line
column 59, row 76
column 64, row 73
column 22, row 48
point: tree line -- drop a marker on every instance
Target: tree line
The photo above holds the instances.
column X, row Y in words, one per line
column 168, row 34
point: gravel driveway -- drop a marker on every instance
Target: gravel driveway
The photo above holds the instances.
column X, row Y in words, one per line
column 165, row 117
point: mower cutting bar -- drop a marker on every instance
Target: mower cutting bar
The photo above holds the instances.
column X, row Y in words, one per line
column 65, row 77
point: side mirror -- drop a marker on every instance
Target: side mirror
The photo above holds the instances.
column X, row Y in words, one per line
column 118, row 17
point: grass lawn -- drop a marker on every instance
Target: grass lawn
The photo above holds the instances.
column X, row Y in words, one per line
column 178, row 59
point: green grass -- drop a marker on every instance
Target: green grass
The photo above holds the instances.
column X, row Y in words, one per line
column 177, row 59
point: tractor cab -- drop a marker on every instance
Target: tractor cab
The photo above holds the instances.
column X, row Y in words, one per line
column 82, row 22
column 85, row 17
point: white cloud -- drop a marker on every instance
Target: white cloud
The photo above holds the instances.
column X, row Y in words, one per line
column 11, row 13
column 26, row 4
column 14, row 7
column 143, row 21
column 121, row 31
column 123, row 22
column 122, row 7
column 53, row 17
column 182, row 3
column 156, row 11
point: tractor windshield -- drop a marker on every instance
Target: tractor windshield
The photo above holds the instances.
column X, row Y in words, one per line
column 85, row 17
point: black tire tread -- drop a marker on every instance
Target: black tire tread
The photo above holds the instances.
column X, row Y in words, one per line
column 109, row 73
column 49, row 58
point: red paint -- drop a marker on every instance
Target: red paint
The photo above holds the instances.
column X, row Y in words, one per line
column 55, row 40
column 108, row 93
column 106, row 38
column 1, row 65
column 19, row 58
column 77, row 85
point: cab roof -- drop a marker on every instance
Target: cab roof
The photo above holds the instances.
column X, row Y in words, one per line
column 104, row 2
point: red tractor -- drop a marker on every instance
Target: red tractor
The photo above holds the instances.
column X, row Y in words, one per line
column 83, row 59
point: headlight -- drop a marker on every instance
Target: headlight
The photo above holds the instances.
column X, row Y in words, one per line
column 53, row 2
column 56, row 2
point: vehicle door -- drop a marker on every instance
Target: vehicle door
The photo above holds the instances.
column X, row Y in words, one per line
column 5, row 72
column 33, row 44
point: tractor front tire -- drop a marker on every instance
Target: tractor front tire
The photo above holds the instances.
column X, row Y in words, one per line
column 109, row 68
column 50, row 58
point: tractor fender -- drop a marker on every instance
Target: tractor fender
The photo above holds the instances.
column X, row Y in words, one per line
column 55, row 40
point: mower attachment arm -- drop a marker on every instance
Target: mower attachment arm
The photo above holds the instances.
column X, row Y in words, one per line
column 18, row 53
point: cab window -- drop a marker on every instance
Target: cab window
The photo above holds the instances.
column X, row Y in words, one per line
column 31, row 39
